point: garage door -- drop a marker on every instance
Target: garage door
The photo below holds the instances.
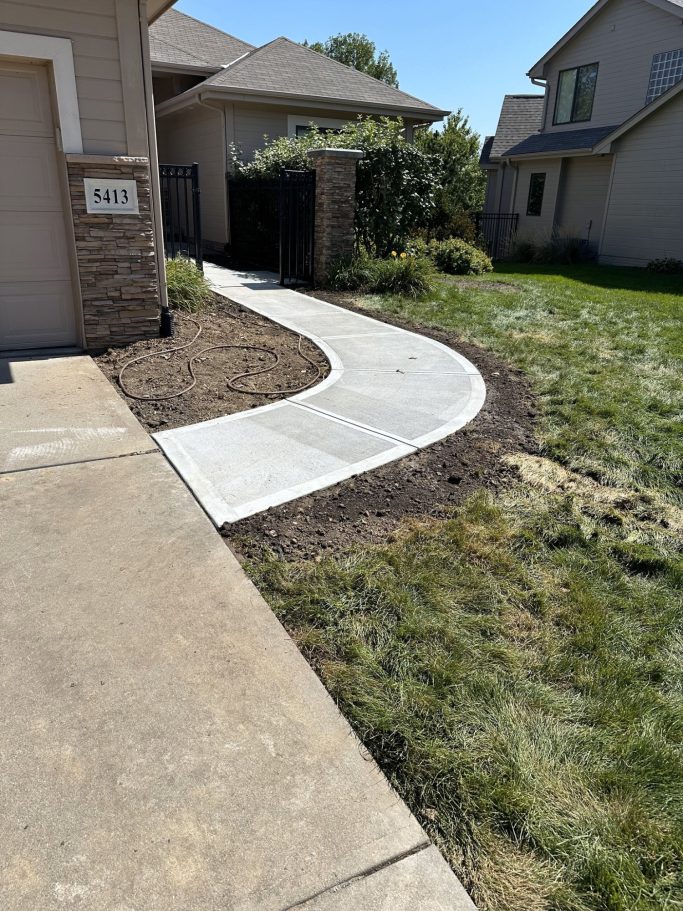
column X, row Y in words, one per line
column 36, row 294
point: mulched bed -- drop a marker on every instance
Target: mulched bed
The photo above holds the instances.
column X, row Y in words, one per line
column 222, row 323
column 367, row 509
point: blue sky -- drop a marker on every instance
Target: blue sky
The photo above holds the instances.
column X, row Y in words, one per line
column 448, row 52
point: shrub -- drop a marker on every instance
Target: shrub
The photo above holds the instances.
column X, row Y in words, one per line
column 556, row 250
column 396, row 182
column 187, row 288
column 456, row 257
column 401, row 274
column 668, row 266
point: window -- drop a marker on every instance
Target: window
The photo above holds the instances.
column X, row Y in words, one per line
column 575, row 94
column 325, row 131
column 536, row 191
column 667, row 70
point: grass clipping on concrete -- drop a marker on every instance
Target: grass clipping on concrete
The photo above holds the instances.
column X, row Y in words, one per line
column 517, row 669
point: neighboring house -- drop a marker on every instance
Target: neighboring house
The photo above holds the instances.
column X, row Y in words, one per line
column 599, row 156
column 213, row 91
column 75, row 106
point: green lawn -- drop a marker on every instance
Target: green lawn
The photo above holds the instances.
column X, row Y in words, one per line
column 517, row 669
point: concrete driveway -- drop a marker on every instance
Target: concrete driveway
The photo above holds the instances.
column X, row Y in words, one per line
column 163, row 744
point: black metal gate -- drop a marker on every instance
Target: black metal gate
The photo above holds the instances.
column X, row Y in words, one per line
column 297, row 227
column 181, row 212
column 498, row 233
column 272, row 224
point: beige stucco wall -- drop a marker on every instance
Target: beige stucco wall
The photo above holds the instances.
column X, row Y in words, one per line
column 645, row 209
column 622, row 38
column 531, row 227
column 196, row 134
column 582, row 197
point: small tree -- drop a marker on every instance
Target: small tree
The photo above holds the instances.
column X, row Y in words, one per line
column 396, row 184
column 358, row 51
column 457, row 148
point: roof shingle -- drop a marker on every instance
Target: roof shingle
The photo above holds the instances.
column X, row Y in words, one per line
column 177, row 39
column 552, row 143
column 286, row 68
column 520, row 117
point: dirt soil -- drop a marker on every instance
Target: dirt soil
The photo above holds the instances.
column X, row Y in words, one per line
column 223, row 323
column 368, row 508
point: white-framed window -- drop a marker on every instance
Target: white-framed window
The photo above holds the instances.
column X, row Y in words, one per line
column 300, row 124
column 667, row 70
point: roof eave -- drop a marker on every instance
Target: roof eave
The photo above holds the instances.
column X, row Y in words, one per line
column 550, row 153
column 156, row 8
column 199, row 70
column 229, row 93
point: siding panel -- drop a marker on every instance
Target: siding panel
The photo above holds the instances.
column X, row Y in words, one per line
column 645, row 215
column 623, row 39
column 196, row 134
column 537, row 228
column 583, row 196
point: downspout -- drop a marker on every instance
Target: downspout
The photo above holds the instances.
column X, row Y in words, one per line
column 155, row 185
column 220, row 107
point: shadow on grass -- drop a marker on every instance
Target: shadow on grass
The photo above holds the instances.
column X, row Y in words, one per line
column 611, row 277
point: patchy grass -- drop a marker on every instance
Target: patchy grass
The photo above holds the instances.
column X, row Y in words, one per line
column 517, row 669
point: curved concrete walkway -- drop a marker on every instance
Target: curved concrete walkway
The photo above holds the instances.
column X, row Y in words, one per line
column 390, row 392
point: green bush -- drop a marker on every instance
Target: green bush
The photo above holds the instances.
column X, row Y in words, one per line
column 188, row 290
column 456, row 257
column 668, row 266
column 396, row 181
column 557, row 250
column 402, row 274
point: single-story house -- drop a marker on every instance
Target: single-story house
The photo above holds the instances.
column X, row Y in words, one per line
column 599, row 155
column 214, row 91
column 79, row 187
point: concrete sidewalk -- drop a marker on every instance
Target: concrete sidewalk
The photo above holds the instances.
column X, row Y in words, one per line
column 163, row 744
column 389, row 393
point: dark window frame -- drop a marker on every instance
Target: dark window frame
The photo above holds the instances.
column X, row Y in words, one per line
column 532, row 213
column 573, row 118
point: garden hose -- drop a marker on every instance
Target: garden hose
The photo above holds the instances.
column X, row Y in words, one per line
column 231, row 381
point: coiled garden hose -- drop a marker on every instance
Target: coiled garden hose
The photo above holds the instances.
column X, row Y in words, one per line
column 231, row 381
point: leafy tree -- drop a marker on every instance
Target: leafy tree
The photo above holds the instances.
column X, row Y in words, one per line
column 396, row 185
column 457, row 148
column 358, row 51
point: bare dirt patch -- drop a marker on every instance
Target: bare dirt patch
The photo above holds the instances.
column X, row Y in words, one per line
column 223, row 323
column 367, row 509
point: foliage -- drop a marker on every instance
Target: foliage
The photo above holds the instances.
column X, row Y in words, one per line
column 358, row 51
column 187, row 288
column 396, row 182
column 558, row 250
column 668, row 266
column 463, row 183
column 516, row 668
column 456, row 257
column 399, row 274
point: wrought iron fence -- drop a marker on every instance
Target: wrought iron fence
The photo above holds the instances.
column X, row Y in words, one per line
column 498, row 232
column 297, row 227
column 181, row 211
column 272, row 223
column 254, row 223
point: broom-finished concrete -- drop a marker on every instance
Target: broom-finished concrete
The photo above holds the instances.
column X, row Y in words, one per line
column 389, row 393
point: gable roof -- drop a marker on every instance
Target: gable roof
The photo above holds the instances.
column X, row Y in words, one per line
column 617, row 132
column 520, row 117
column 285, row 69
column 675, row 7
column 180, row 40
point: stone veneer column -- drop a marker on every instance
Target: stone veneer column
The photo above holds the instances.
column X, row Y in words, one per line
column 335, row 205
column 116, row 256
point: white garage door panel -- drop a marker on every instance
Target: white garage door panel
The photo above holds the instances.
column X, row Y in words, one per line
column 25, row 101
column 35, row 316
column 32, row 247
column 29, row 178
column 36, row 293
